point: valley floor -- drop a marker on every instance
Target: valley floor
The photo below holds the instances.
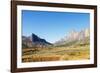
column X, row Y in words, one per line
column 56, row 53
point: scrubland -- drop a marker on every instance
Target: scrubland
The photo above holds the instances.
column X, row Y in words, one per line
column 56, row 53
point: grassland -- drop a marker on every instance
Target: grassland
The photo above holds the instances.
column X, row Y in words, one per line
column 54, row 53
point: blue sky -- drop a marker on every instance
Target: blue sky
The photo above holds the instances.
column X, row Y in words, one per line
column 53, row 26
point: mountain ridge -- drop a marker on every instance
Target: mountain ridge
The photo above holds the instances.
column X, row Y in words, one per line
column 73, row 36
column 34, row 41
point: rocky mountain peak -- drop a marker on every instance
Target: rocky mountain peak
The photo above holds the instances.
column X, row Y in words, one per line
column 34, row 41
column 75, row 36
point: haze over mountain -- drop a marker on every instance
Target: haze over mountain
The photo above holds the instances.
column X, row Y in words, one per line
column 34, row 41
column 75, row 36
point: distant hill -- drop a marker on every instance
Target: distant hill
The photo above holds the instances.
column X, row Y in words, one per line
column 34, row 41
column 75, row 37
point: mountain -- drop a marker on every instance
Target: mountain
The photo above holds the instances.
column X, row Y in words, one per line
column 34, row 41
column 74, row 37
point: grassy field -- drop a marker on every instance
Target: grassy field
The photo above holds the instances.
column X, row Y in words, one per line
column 75, row 52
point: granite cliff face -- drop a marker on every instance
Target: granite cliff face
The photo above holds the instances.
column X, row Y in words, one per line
column 75, row 36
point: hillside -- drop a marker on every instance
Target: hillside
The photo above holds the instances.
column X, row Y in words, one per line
column 34, row 41
column 74, row 37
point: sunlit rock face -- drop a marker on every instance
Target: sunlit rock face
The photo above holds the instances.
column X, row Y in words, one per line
column 73, row 35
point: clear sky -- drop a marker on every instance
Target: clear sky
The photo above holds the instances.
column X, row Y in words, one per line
column 53, row 26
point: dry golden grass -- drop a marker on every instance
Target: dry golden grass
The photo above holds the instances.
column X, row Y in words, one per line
column 56, row 53
column 36, row 58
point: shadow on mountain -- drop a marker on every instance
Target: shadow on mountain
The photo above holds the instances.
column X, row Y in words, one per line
column 34, row 41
